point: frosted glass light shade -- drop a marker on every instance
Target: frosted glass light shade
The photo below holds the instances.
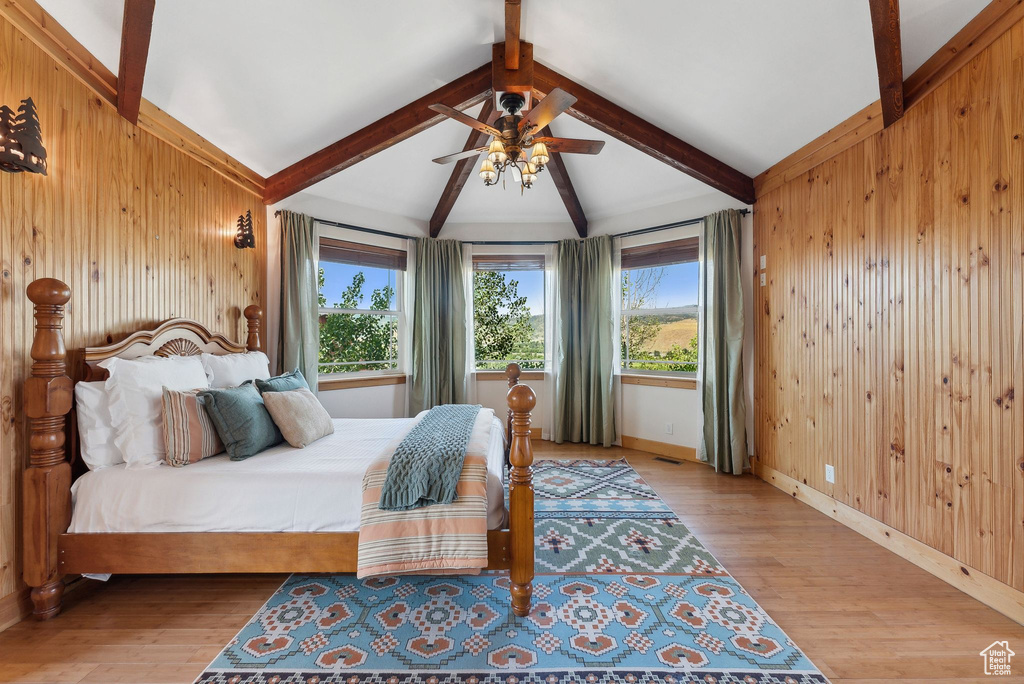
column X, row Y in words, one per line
column 487, row 172
column 496, row 152
column 539, row 155
column 529, row 173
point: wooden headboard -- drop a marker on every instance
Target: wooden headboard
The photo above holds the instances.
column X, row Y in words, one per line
column 49, row 398
column 175, row 337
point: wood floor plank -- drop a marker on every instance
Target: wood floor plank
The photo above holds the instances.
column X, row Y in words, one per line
column 861, row 613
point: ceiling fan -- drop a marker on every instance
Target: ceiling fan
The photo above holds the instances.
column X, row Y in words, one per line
column 515, row 146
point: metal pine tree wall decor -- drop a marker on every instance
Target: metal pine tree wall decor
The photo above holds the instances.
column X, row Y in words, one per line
column 21, row 144
column 244, row 238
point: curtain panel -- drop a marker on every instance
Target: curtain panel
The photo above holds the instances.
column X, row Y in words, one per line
column 584, row 406
column 439, row 339
column 724, row 439
column 299, row 345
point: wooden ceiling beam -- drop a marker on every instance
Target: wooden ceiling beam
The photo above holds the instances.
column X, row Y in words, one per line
column 997, row 18
column 28, row 17
column 885, row 25
column 463, row 92
column 136, row 30
column 629, row 128
column 513, row 14
column 560, row 177
column 462, row 171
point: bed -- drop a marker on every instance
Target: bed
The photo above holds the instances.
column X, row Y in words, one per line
column 313, row 490
column 212, row 516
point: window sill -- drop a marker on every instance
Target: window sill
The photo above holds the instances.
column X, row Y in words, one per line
column 336, row 383
column 496, row 376
column 659, row 381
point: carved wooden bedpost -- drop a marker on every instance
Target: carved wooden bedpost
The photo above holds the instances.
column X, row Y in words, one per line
column 512, row 371
column 46, row 484
column 521, row 401
column 253, row 313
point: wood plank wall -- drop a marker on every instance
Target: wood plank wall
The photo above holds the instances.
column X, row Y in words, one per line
column 890, row 335
column 138, row 229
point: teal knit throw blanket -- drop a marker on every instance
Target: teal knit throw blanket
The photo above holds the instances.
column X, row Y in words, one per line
column 426, row 466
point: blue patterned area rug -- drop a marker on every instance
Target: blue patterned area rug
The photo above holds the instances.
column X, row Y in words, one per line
column 624, row 594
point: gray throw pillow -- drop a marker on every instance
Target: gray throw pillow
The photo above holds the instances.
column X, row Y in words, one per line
column 241, row 419
column 282, row 383
column 300, row 417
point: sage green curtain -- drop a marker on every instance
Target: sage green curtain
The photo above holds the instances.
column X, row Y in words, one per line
column 724, row 442
column 584, row 407
column 299, row 345
column 438, row 326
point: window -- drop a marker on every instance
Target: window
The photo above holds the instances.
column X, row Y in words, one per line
column 659, row 307
column 508, row 311
column 360, row 306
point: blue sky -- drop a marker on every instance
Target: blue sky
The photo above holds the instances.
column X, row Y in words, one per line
column 678, row 284
column 339, row 276
column 531, row 286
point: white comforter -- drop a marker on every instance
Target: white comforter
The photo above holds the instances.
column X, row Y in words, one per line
column 316, row 489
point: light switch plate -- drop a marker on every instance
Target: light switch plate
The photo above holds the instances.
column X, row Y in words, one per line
column 763, row 279
column 764, row 260
column 830, row 474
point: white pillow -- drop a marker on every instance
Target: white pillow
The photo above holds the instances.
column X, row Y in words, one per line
column 135, row 388
column 95, row 431
column 231, row 370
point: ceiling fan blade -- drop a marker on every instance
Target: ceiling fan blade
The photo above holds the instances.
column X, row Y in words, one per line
column 572, row 145
column 449, row 158
column 466, row 119
column 547, row 109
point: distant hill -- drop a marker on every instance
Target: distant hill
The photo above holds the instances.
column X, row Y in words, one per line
column 678, row 332
column 677, row 329
column 537, row 325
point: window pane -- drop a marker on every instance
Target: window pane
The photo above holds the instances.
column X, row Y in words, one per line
column 508, row 318
column 356, row 342
column 346, row 286
column 662, row 342
column 661, row 287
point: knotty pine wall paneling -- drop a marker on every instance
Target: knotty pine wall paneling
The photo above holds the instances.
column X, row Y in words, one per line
column 139, row 230
column 890, row 335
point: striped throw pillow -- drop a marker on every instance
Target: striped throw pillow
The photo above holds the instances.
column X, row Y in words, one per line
column 189, row 435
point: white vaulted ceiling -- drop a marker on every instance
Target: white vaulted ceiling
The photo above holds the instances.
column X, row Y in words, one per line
column 747, row 82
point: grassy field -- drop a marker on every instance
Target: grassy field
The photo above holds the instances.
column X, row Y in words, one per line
column 676, row 332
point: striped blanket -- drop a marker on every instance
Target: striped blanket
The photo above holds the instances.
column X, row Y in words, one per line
column 440, row 539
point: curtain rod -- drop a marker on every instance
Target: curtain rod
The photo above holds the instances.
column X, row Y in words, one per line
column 638, row 231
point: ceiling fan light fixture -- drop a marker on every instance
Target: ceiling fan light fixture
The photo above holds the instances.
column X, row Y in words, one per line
column 539, row 155
column 487, row 172
column 496, row 152
column 529, row 173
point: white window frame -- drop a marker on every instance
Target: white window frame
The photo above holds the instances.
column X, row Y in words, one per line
column 513, row 251
column 626, row 314
column 398, row 312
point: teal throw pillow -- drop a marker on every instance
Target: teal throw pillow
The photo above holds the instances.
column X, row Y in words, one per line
column 241, row 419
column 282, row 383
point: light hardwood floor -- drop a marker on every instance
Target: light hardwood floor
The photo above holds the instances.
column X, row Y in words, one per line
column 861, row 613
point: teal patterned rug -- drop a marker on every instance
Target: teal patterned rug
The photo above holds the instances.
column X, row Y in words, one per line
column 624, row 594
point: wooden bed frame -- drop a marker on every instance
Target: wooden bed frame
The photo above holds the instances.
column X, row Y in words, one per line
column 50, row 552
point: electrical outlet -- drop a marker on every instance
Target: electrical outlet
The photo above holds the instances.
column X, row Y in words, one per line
column 668, row 428
column 830, row 474
column 763, row 279
column 764, row 260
